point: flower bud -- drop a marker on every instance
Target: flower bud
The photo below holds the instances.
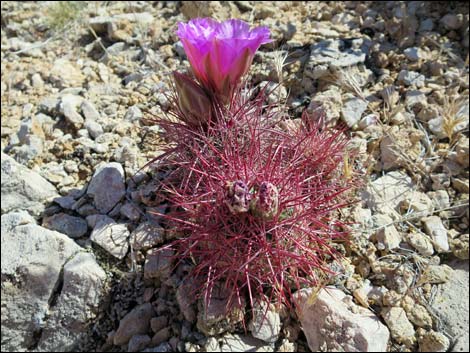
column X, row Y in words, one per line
column 193, row 101
column 238, row 197
column 266, row 203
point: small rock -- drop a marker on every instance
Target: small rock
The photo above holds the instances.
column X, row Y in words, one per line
column 416, row 313
column 451, row 304
column 135, row 322
column 420, row 242
column 385, row 194
column 157, row 323
column 459, row 247
column 74, row 227
column 436, row 230
column 324, row 319
column 65, row 202
column 130, row 211
column 133, row 114
column 111, row 236
column 452, row 21
column 352, row 111
column 65, row 74
column 436, row 274
column 93, row 128
column 400, row 327
column 138, row 343
column 328, row 54
column 415, row 99
column 158, row 263
column 185, row 300
column 388, row 238
column 426, row 25
column 147, row 235
column 432, row 341
column 462, row 151
column 411, row 78
column 414, row 54
column 89, row 111
column 238, row 343
column 23, row 189
column 266, row 323
column 161, row 336
column 107, row 186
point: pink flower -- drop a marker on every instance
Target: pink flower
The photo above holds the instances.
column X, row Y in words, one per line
column 220, row 53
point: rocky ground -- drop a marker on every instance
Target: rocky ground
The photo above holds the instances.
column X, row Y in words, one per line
column 79, row 232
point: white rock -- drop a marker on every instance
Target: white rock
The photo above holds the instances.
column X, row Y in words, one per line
column 147, row 235
column 420, row 242
column 66, row 74
column 111, row 236
column 93, row 128
column 237, row 343
column 411, row 78
column 435, row 229
column 333, row 322
column 329, row 102
column 452, row 304
column 414, row 54
column 79, row 300
column 352, row 111
column 388, row 238
column 433, row 341
column 327, row 54
column 107, row 186
column 266, row 323
column 89, row 111
column 133, row 114
column 415, row 98
column 400, row 327
column 32, row 260
column 385, row 194
column 23, row 188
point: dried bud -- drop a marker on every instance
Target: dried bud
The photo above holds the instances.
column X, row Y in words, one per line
column 266, row 203
column 237, row 197
column 193, row 101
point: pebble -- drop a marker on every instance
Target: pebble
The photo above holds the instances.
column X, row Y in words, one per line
column 135, row 322
column 23, row 189
column 400, row 327
column 414, row 54
column 432, row 341
column 111, row 236
column 138, row 343
column 161, row 336
column 158, row 263
column 147, row 235
column 266, row 323
column 107, row 186
column 323, row 321
column 435, row 229
column 411, row 78
column 133, row 114
column 93, row 128
column 420, row 242
column 352, row 111
column 74, row 227
column 388, row 238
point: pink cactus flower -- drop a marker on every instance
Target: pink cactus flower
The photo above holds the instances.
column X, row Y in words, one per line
column 220, row 53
